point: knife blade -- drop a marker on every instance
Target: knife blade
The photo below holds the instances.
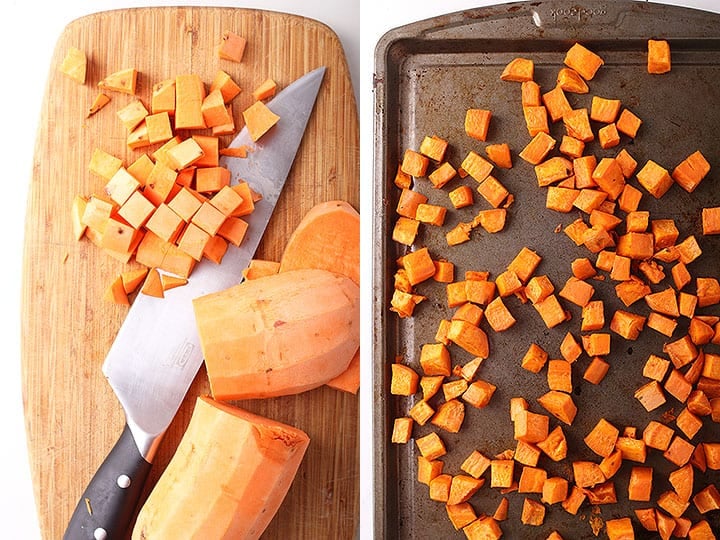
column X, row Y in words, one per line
column 156, row 353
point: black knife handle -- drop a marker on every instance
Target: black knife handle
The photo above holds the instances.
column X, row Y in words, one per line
column 108, row 504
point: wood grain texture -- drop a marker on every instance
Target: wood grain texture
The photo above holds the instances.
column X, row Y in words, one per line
column 72, row 415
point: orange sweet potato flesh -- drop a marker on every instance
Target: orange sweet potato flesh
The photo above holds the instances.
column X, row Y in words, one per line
column 328, row 238
column 280, row 334
column 227, row 479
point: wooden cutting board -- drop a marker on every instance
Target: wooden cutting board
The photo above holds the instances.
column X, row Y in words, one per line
column 72, row 415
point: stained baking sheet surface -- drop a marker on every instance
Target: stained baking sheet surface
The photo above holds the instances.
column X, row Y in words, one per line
column 428, row 75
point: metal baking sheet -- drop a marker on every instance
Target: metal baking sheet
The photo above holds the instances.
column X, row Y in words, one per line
column 427, row 75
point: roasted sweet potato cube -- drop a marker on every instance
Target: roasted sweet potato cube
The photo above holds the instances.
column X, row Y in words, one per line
column 556, row 103
column 677, row 386
column 539, row 288
column 707, row 499
column 483, row 528
column 419, row 266
column 414, row 163
column 479, row 393
column 655, row 179
column 402, row 430
column 570, row 349
column 596, row 370
column 469, row 337
column 553, row 170
column 658, row 56
column 650, row 395
column 620, row 529
column 461, row 514
column 536, row 119
column 538, row 148
column 527, row 454
column 477, row 124
column 440, row 487
column 532, row 480
column 431, row 446
column 475, row 464
column 679, row 451
column 404, row 381
column 533, row 512
column 628, row 123
column 602, row 438
column 691, row 171
column 587, row 474
column 577, row 124
column 531, row 427
column 550, row 310
column 583, row 60
column 560, row 405
column 433, row 147
column 501, row 473
column 555, row 490
column 559, row 375
column 627, row 324
column 421, row 412
column 462, row 487
column 577, row 291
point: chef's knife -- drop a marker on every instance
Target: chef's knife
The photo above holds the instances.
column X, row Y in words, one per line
column 156, row 354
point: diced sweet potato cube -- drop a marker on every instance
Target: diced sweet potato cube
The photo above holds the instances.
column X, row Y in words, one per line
column 414, row 163
column 650, row 395
column 538, row 148
column 461, row 197
column 518, row 70
column 640, row 485
column 530, row 427
column 570, row 349
column 532, row 480
column 574, row 500
column 701, row 531
column 628, row 123
column 469, row 337
column 707, row 291
column 677, row 386
column 577, row 291
column 462, row 487
column 658, row 56
column 533, row 512
column 560, row 405
column 535, row 358
column 602, row 438
column 500, row 155
column 626, row 324
column 711, row 220
column 597, row 344
column 707, row 499
column 476, row 166
column 440, row 487
column 536, row 119
column 620, row 529
column 477, row 123
column 577, row 124
column 550, row 310
column 404, row 380
column 688, row 423
column 461, row 514
column 475, row 464
column 431, row 214
column 691, row 171
column 571, row 147
column 501, row 473
column 679, row 451
column 483, row 528
column 553, row 170
column 655, row 179
column 604, row 110
column 433, row 147
column 583, row 60
column 479, row 393
column 435, row 359
column 587, row 474
column 596, row 370
column 431, row 446
column 681, row 351
column 672, row 503
column 418, row 265
column 493, row 191
column 498, row 315
column 554, row 446
column 402, row 430
column 556, row 103
column 539, row 288
column 421, row 412
column 656, row 367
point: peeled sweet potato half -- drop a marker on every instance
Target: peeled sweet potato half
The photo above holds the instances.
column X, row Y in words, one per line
column 280, row 334
column 227, row 478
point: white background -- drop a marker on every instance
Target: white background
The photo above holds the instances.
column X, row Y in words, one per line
column 27, row 41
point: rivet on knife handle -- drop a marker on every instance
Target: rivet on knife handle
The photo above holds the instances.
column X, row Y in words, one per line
column 105, row 510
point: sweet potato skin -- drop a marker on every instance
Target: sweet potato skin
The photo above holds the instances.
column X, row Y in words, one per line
column 280, row 334
column 227, row 479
